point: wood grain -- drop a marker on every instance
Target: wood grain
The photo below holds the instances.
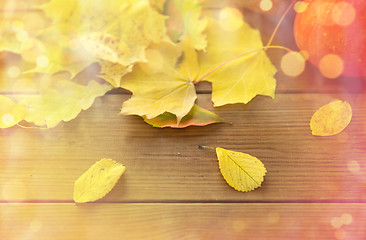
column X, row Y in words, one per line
column 182, row 221
column 165, row 165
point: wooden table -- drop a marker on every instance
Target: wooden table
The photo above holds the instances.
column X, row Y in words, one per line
column 315, row 187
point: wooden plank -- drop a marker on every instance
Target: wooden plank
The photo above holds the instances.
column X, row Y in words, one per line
column 165, row 165
column 182, row 221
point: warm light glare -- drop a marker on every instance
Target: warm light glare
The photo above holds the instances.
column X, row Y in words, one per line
column 353, row 166
column 331, row 66
column 300, row 6
column 8, row 119
column 346, row 218
column 336, row 222
column 42, row 61
column 343, row 13
column 266, row 5
column 33, row 21
column 22, row 35
column 230, row 19
column 17, row 25
column 305, row 54
column 340, row 234
column 13, row 72
column 292, row 64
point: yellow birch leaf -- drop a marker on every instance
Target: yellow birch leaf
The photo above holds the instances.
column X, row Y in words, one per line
column 97, row 181
column 239, row 78
column 331, row 118
column 10, row 113
column 241, row 171
column 164, row 83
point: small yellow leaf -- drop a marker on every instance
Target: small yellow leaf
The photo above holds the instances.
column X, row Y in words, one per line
column 241, row 171
column 331, row 119
column 97, row 181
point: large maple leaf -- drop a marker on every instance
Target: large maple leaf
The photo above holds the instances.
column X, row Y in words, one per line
column 164, row 83
column 236, row 63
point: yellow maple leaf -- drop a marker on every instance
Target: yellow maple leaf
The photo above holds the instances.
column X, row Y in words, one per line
column 241, row 171
column 236, row 63
column 10, row 113
column 186, row 20
column 113, row 72
column 116, row 31
column 331, row 118
column 97, row 181
column 164, row 83
column 61, row 100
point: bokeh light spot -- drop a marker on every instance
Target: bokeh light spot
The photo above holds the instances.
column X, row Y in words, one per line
column 42, row 61
column 8, row 119
column 230, row 19
column 353, row 166
column 336, row 222
column 305, row 54
column 266, row 5
column 346, row 218
column 331, row 66
column 300, row 6
column 13, row 72
column 340, row 234
column 238, row 225
column 293, row 64
column 14, row 190
column 22, row 36
column 17, row 25
column 343, row 13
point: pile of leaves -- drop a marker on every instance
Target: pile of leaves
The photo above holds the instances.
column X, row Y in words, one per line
column 158, row 50
column 58, row 56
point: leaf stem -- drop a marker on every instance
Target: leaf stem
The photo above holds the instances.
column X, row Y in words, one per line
column 237, row 56
column 279, row 22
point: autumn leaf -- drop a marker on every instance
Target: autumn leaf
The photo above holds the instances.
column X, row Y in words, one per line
column 196, row 117
column 241, row 171
column 97, row 181
column 61, row 100
column 164, row 83
column 113, row 72
column 10, row 112
column 331, row 118
column 115, row 31
column 236, row 63
column 186, row 20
